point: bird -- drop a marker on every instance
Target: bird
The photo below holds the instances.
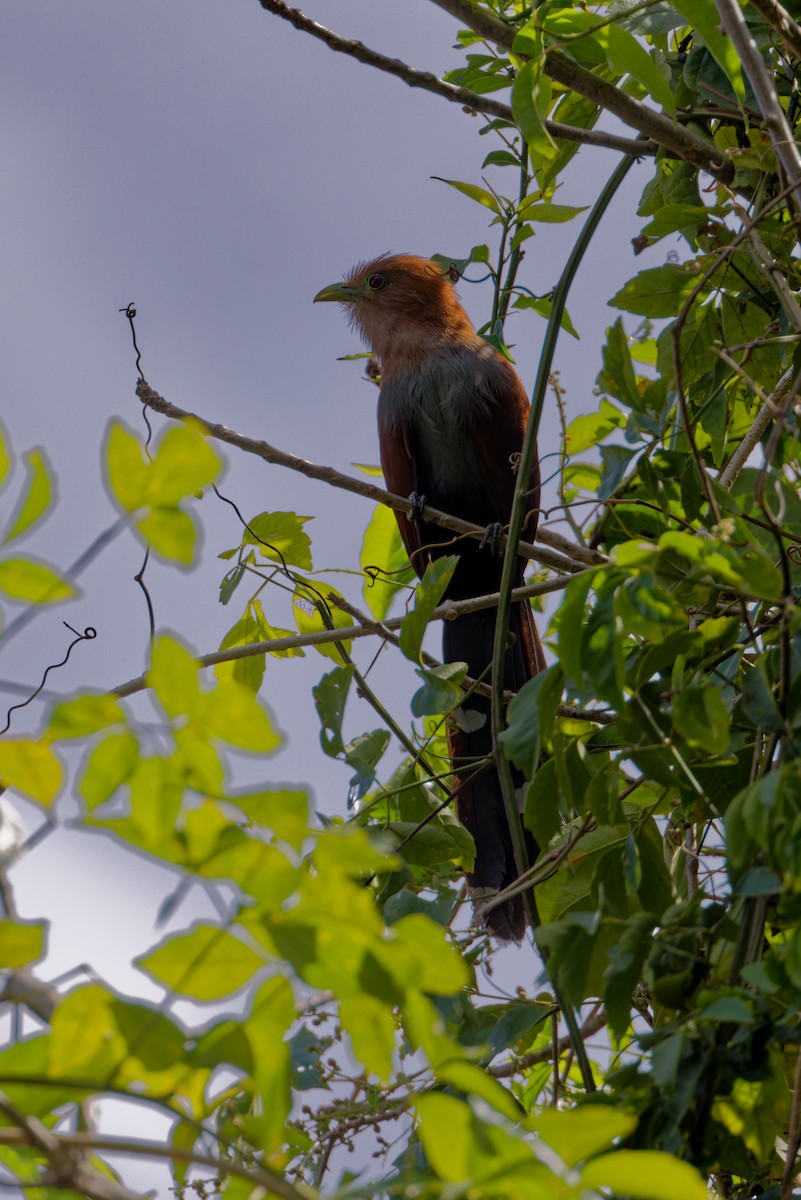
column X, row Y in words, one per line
column 452, row 416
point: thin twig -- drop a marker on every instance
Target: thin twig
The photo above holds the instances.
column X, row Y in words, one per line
column 524, row 1062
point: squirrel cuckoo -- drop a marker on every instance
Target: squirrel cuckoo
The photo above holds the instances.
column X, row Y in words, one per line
column 451, row 418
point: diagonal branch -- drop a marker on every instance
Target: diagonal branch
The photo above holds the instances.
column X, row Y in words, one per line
column 439, row 87
column 330, row 475
column 779, row 19
column 681, row 142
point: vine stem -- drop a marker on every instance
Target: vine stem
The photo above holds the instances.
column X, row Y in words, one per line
column 510, row 567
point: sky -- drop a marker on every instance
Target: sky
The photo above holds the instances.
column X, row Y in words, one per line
column 216, row 167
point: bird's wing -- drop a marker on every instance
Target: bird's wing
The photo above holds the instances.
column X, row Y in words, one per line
column 400, row 476
column 498, row 438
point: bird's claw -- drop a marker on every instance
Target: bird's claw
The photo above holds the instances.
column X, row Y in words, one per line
column 417, row 504
column 492, row 537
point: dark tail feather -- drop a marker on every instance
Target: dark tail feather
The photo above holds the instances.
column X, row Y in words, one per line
column 480, row 804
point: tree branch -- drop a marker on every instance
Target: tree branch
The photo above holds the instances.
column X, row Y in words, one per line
column 87, row 1143
column 681, row 142
column 446, row 612
column 449, row 91
column 734, row 26
column 337, row 479
column 780, row 20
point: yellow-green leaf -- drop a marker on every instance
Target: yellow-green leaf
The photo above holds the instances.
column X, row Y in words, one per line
column 646, row 1174
column 233, row 714
column 34, row 582
column 32, row 768
column 184, row 462
column 171, row 532
column 36, row 498
column 206, row 963
column 108, row 766
column 127, row 467
column 84, row 715
column 21, row 942
column 384, row 561
column 173, row 675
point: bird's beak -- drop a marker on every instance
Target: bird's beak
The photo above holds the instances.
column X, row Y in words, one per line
column 335, row 291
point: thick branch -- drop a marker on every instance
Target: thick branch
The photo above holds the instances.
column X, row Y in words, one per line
column 337, row 479
column 681, row 142
column 430, row 83
column 779, row 18
column 761, row 78
column 771, row 409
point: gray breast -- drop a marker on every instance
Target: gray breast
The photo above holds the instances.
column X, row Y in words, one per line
column 436, row 402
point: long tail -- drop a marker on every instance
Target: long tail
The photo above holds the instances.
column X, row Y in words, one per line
column 479, row 804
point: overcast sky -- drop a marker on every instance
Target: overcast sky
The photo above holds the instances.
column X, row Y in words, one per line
column 210, row 163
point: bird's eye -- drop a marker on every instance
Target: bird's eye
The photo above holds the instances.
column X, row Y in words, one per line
column 377, row 282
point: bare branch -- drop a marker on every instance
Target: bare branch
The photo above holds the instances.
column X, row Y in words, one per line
column 734, row 26
column 337, row 479
column 457, row 95
column 446, row 612
column 87, row 1143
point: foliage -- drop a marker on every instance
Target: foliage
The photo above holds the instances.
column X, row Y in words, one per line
column 662, row 746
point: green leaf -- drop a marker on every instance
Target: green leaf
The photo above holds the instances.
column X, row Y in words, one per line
column 280, row 536
column 702, row 719
column 110, row 764
column 267, row 1026
column 285, row 812
column 427, row 596
column 571, row 624
column 21, row 943
column 534, row 210
column 84, row 715
column 233, row 714
column 530, row 718
column 172, row 534
column 659, row 291
column 543, row 305
column 588, row 429
column 580, row 1133
column 479, row 194
column 531, row 99
column 173, row 676
column 37, row 497
column 5, row 456
column 126, row 466
column 32, row 768
column 305, row 608
column 207, row 963
column 33, row 582
column 440, row 691
column 624, row 972
column 705, row 19
column 384, row 561
column 646, row 1174
column 184, row 463
column 330, row 697
column 372, row 1031
column 617, row 377
column 624, row 54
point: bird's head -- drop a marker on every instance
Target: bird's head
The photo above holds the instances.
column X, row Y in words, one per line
column 403, row 306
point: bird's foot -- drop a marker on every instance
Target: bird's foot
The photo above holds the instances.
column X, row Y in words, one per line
column 417, row 503
column 492, row 537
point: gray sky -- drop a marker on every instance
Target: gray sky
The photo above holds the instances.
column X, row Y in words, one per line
column 215, row 166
